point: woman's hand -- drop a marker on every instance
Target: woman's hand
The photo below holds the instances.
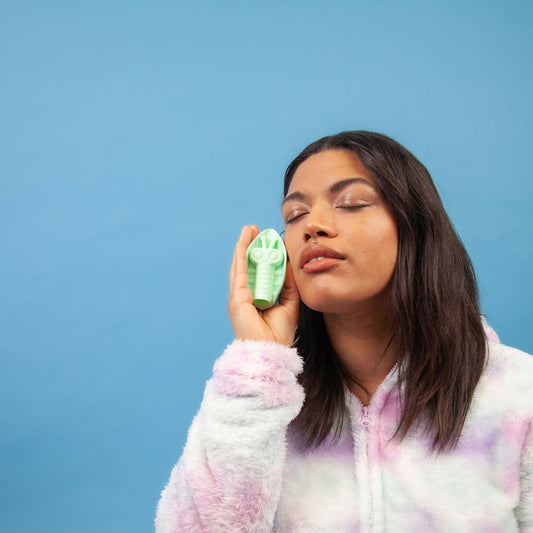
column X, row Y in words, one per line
column 249, row 323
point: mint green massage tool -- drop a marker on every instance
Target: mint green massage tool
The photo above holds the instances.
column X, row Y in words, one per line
column 266, row 260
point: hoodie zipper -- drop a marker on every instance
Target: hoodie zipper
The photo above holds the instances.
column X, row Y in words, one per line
column 365, row 417
column 369, row 482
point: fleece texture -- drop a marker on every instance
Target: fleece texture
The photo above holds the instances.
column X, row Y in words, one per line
column 243, row 470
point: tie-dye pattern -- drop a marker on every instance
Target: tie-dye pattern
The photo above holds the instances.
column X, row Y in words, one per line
column 242, row 469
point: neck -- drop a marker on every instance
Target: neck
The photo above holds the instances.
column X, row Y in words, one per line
column 363, row 344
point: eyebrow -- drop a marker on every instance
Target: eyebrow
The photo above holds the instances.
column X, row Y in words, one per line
column 334, row 189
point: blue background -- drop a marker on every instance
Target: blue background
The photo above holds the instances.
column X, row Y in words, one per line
column 136, row 138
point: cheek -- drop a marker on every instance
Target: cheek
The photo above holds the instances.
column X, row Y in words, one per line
column 384, row 237
column 289, row 242
column 377, row 250
column 387, row 247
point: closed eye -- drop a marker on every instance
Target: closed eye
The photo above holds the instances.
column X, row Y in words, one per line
column 352, row 207
column 294, row 216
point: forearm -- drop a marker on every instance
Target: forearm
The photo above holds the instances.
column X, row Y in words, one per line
column 229, row 476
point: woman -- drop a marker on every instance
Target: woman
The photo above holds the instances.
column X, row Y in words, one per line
column 370, row 399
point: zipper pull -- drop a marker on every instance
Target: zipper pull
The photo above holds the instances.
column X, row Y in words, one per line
column 364, row 417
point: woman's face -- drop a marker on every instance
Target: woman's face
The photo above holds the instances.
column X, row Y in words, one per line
column 340, row 234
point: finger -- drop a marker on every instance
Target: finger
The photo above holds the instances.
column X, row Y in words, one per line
column 290, row 297
column 233, row 260
column 241, row 273
column 239, row 268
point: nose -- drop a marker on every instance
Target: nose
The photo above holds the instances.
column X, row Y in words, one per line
column 320, row 223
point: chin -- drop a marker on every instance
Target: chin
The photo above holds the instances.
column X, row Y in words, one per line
column 330, row 304
column 334, row 303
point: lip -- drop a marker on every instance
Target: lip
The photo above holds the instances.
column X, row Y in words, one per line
column 315, row 258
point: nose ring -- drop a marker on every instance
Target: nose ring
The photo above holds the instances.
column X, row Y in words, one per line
column 313, row 241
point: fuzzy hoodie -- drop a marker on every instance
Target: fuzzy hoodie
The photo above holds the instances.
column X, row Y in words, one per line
column 242, row 469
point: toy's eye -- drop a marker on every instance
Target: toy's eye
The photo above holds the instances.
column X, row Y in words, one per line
column 275, row 256
column 257, row 254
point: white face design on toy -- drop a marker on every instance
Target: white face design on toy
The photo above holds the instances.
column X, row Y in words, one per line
column 267, row 254
column 266, row 268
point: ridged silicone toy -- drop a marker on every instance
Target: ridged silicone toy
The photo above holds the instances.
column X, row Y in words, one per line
column 266, row 259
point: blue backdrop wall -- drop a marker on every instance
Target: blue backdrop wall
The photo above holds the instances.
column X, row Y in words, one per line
column 134, row 136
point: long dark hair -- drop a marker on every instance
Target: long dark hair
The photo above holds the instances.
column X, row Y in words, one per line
column 438, row 331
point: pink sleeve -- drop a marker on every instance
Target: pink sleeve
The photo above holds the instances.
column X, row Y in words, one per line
column 229, row 476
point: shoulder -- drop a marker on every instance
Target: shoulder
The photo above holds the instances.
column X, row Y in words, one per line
column 510, row 363
column 508, row 378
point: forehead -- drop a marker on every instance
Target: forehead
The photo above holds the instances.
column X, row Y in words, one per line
column 321, row 170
